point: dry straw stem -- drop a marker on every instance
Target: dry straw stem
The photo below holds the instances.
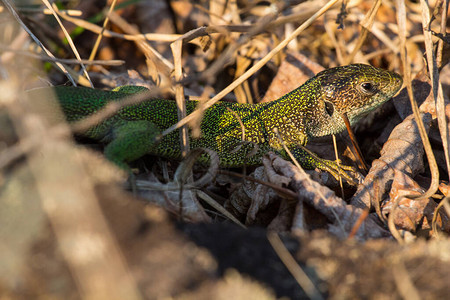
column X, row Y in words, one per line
column 53, row 8
column 443, row 31
column 391, row 225
column 179, row 93
column 338, row 163
column 366, row 25
column 164, row 67
column 100, row 35
column 436, row 85
column 403, row 281
column 354, row 142
column 36, row 40
column 401, row 18
column 45, row 11
column 358, row 223
column 67, row 61
column 253, row 69
column 310, row 182
column 294, row 268
column 284, row 192
column 219, row 208
column 107, row 33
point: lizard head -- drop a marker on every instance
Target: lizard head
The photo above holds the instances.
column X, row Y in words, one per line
column 354, row 90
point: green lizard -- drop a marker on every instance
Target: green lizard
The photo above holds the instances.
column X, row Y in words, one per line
column 239, row 133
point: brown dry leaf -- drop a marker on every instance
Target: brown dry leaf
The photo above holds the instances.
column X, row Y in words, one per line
column 411, row 214
column 342, row 216
column 251, row 197
column 294, row 70
column 444, row 187
column 180, row 202
column 282, row 222
column 403, row 151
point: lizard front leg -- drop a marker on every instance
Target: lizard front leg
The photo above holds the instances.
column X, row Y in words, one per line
column 309, row 160
column 130, row 141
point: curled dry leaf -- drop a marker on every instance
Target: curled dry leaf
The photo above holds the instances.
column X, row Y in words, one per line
column 178, row 196
column 403, row 151
column 342, row 216
column 169, row 196
column 444, row 188
column 251, row 197
column 411, row 214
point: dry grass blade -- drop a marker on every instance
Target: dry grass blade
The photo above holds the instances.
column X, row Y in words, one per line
column 338, row 163
column 358, row 223
column 391, row 225
column 108, row 33
column 164, row 67
column 403, row 281
column 310, row 181
column 100, row 35
column 67, row 61
column 36, row 40
column 401, row 16
column 443, row 27
column 46, row 11
column 300, row 276
column 179, row 93
column 53, row 8
column 436, row 85
column 219, row 208
column 355, row 143
column 366, row 24
column 376, row 200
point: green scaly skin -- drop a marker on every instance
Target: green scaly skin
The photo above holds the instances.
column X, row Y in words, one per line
column 312, row 110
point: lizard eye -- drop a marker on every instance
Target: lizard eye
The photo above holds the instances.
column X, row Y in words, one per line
column 329, row 108
column 368, row 88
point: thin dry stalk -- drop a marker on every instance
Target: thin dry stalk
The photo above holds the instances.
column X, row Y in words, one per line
column 436, row 85
column 100, row 35
column 296, row 270
column 366, row 25
column 401, row 16
column 53, row 8
column 36, row 40
column 179, row 93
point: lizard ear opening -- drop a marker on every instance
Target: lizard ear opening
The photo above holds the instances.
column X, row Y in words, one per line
column 329, row 108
